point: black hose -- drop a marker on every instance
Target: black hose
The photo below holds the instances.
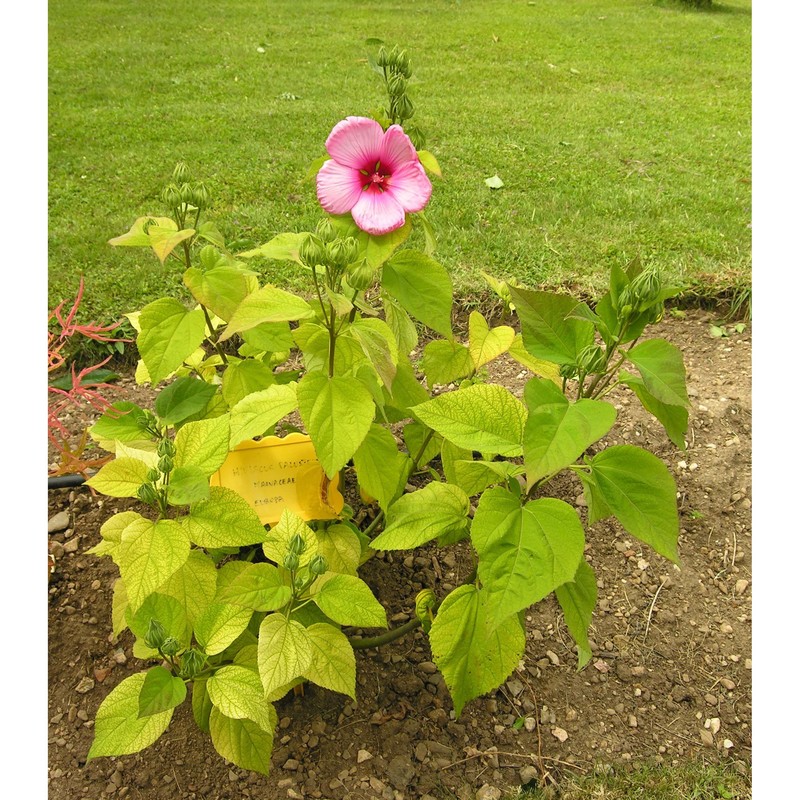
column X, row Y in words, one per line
column 64, row 481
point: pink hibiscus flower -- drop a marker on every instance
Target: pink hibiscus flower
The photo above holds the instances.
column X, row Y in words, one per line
column 376, row 176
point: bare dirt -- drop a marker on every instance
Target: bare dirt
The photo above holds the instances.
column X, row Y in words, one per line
column 669, row 681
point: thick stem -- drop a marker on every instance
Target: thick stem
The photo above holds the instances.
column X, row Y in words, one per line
column 385, row 638
column 214, row 335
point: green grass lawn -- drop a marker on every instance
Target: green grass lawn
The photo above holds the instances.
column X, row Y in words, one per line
column 618, row 127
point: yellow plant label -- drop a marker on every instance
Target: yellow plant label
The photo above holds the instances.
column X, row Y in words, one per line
column 273, row 474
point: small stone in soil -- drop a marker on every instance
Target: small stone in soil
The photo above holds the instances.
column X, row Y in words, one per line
column 58, row 522
column 560, row 734
column 363, row 755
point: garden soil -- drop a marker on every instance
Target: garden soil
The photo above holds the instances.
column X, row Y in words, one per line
column 669, row 680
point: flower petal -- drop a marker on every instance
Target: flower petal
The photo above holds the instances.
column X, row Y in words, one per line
column 396, row 149
column 338, row 187
column 356, row 142
column 410, row 186
column 377, row 212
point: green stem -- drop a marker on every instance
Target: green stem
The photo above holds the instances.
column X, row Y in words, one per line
column 214, row 335
column 385, row 638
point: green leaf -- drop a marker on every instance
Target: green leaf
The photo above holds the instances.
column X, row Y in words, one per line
column 346, row 599
column 164, row 240
column 193, row 585
column 259, row 587
column 187, row 485
column 661, row 367
column 224, row 520
column 314, row 341
column 341, row 548
column 267, row 304
column 406, row 391
column 161, row 691
column 203, row 444
column 379, row 345
column 148, row 554
column 201, row 704
column 208, row 230
column 445, row 361
column 169, row 335
column 333, row 662
column 269, row 337
column 337, row 413
column 121, row 477
column 524, row 552
column 241, row 741
column 238, row 694
column 422, row 286
column 428, row 160
column 137, row 235
column 221, row 289
column 473, row 654
column 546, row 369
column 381, row 468
column 638, row 489
column 486, row 344
column 495, row 182
column 244, row 378
column 484, row 417
column 675, row 419
column 421, row 516
column 577, row 599
column 284, row 651
column 415, row 435
column 475, row 477
column 283, row 247
column 220, row 625
column 548, row 330
column 122, row 422
column 118, row 729
column 401, row 324
column 557, row 432
column 183, row 398
column 255, row 414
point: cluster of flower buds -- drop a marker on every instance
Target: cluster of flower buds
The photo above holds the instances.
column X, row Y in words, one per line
column 181, row 192
column 641, row 294
column 592, row 359
column 325, row 249
column 396, row 67
column 297, row 546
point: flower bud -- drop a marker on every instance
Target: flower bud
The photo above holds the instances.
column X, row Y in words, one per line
column 156, row 634
column 591, row 359
column 165, row 464
column 153, row 475
column 312, row 251
column 338, row 252
column 360, row 274
column 391, row 58
column 165, row 447
column 405, row 108
column 147, row 494
column 297, row 544
column 397, row 85
column 170, row 646
column 325, row 230
column 192, row 662
column 187, row 193
column 416, row 135
column 292, row 561
column 404, row 64
column 646, row 288
column 382, row 57
column 202, row 197
column 171, row 195
column 567, row 370
column 318, row 565
column 181, row 173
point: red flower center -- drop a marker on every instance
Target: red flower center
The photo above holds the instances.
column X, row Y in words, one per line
column 375, row 178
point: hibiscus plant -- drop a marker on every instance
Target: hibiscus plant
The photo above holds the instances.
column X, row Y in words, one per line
column 244, row 612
